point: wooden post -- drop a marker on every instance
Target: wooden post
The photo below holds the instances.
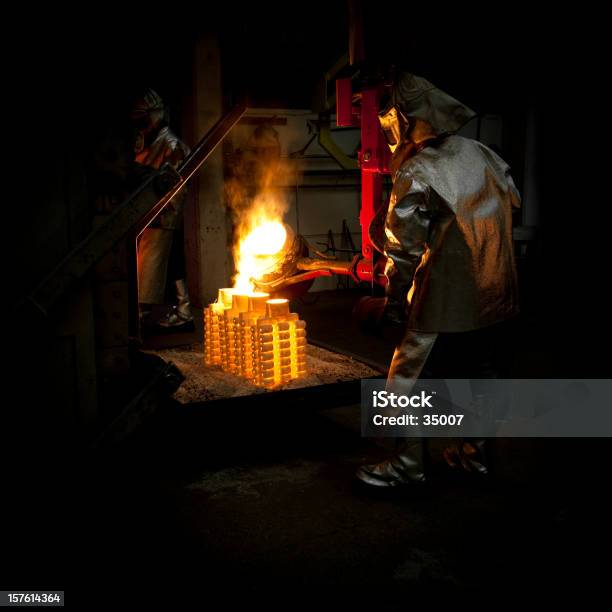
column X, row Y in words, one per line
column 209, row 216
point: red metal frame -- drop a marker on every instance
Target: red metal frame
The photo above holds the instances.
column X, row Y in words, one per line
column 374, row 157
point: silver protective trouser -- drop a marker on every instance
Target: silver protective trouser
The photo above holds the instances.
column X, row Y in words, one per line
column 481, row 356
column 181, row 311
column 183, row 302
column 153, row 252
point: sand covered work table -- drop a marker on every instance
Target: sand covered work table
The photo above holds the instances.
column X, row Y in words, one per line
column 203, row 383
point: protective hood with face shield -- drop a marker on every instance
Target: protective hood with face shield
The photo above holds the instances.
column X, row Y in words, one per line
column 155, row 143
column 416, row 111
column 148, row 111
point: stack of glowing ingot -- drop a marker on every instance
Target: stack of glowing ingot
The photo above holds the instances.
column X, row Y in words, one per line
column 255, row 337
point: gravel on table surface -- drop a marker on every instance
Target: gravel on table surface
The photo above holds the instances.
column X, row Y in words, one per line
column 204, row 383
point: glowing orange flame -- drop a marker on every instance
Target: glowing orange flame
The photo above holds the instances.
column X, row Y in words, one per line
column 258, row 201
column 261, row 235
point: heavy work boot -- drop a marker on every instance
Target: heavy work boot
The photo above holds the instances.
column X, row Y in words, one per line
column 405, row 470
column 469, row 456
column 180, row 317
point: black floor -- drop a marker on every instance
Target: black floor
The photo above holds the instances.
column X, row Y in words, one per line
column 238, row 503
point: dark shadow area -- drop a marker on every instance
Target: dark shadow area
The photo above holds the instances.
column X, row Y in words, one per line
column 200, row 502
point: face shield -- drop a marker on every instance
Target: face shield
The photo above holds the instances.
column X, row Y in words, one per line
column 394, row 125
column 147, row 119
column 148, row 112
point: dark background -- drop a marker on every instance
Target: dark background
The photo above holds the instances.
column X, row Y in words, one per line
column 76, row 74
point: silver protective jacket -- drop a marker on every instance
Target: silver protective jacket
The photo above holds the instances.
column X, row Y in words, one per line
column 448, row 231
column 448, row 237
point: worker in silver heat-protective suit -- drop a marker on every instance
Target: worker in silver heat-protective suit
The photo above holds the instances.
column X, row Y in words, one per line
column 161, row 245
column 450, row 261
